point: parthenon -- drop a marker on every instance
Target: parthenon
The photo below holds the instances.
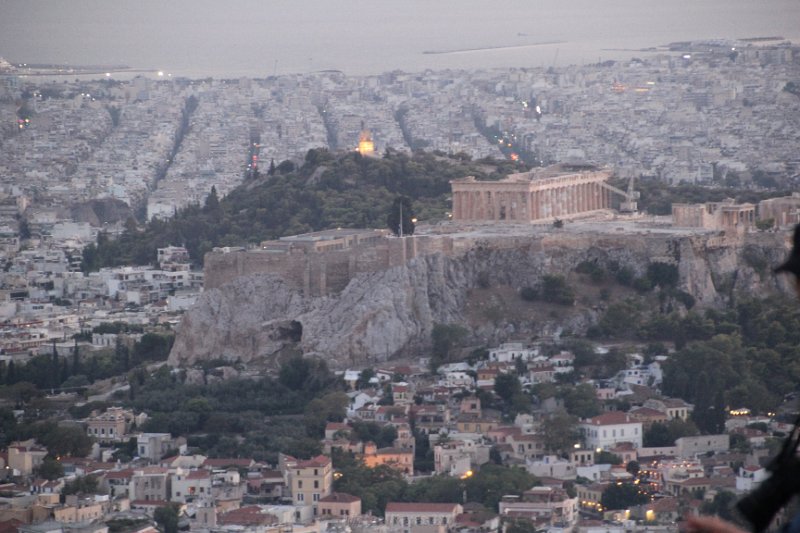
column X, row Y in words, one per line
column 540, row 194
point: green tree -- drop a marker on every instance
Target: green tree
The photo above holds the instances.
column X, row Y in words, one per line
column 621, row 319
column 50, row 469
column 152, row 347
column 375, row 486
column 607, row 458
column 507, row 386
column 555, row 290
column 401, row 219
column 581, row 400
column 435, row 489
column 167, row 518
column 285, row 167
column 382, row 436
column 722, row 506
column 622, row 496
column 560, row 431
column 60, row 440
column 331, row 407
column 583, row 351
column 492, row 482
column 364, row 377
column 310, row 375
column 80, row 485
column 212, row 202
column 666, row 433
column 664, row 275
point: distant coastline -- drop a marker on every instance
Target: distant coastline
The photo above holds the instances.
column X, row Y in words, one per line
column 487, row 48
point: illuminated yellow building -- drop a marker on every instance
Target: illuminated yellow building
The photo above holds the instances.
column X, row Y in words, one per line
column 366, row 147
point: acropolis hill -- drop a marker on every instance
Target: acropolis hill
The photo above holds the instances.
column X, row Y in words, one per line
column 324, row 262
column 359, row 297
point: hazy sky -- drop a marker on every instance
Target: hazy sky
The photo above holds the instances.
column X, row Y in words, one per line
column 249, row 36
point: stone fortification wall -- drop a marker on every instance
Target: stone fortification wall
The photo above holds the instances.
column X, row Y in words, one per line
column 383, row 312
column 318, row 273
column 715, row 215
column 691, row 216
column 784, row 211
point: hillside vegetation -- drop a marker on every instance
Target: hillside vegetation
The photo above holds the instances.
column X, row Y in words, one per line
column 328, row 191
column 336, row 190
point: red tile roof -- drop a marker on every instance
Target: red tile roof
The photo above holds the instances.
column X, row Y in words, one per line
column 398, row 507
column 120, row 474
column 610, row 419
column 251, row 515
column 10, row 526
column 318, row 461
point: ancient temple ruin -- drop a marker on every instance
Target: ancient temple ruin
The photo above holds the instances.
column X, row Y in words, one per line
column 559, row 191
column 725, row 215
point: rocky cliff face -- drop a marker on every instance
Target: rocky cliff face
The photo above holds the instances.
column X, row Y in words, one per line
column 391, row 312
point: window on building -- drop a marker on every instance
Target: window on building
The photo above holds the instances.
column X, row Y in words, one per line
column 316, row 484
column 300, row 484
column 316, row 496
column 301, row 497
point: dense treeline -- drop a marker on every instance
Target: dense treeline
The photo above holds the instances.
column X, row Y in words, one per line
column 59, row 440
column 748, row 356
column 380, row 485
column 242, row 417
column 52, row 371
column 328, row 191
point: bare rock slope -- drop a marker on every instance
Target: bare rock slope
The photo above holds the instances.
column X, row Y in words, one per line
column 392, row 312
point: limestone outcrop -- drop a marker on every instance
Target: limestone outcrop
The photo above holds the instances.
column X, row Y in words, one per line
column 391, row 312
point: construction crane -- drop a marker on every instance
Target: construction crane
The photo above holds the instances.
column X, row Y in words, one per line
column 629, row 204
